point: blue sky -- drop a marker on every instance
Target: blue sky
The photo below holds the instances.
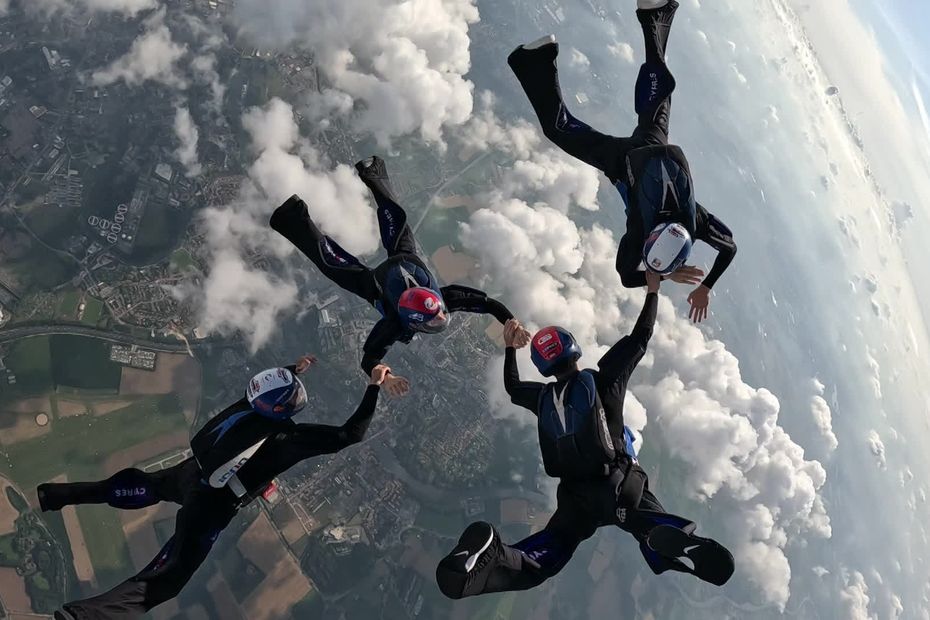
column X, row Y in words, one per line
column 900, row 26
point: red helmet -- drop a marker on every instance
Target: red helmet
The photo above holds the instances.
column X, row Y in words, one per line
column 423, row 309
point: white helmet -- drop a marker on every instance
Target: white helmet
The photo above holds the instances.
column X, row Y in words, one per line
column 276, row 393
column 667, row 248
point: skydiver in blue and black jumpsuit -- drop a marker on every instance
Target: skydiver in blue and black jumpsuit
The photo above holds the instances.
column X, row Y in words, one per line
column 652, row 176
column 206, row 507
column 402, row 288
column 585, row 444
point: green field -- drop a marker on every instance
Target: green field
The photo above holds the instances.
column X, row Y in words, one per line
column 181, row 261
column 81, row 362
column 44, row 363
column 310, row 607
column 93, row 310
column 497, row 607
column 243, row 576
column 68, row 305
column 159, row 232
column 80, row 444
column 31, row 361
column 16, row 500
column 103, row 533
column 9, row 556
column 51, row 224
column 448, row 524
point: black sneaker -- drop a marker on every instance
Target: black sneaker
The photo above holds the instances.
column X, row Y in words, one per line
column 64, row 614
column 373, row 173
column 702, row 557
column 541, row 50
column 465, row 570
column 50, row 497
column 372, row 166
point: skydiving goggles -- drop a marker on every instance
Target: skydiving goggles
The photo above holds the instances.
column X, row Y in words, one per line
column 296, row 402
column 435, row 325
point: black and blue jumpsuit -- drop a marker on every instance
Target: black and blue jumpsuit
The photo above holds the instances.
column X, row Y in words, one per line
column 584, row 505
column 538, row 74
column 383, row 285
column 205, row 511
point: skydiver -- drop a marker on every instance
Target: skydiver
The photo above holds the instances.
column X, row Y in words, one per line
column 402, row 289
column 585, row 444
column 652, row 176
column 236, row 455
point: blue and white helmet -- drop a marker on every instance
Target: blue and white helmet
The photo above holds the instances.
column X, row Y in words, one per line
column 276, row 393
column 667, row 248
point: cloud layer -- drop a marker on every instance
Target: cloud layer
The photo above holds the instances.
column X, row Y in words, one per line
column 726, row 433
column 186, row 132
column 393, row 68
column 153, row 56
column 238, row 297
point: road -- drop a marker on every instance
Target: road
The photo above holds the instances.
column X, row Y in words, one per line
column 15, row 333
column 449, row 181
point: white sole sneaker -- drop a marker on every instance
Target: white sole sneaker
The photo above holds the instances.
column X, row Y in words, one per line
column 473, row 558
column 544, row 40
column 648, row 5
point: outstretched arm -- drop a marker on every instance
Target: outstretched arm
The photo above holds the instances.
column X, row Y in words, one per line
column 621, row 359
column 715, row 233
column 460, row 298
column 308, row 440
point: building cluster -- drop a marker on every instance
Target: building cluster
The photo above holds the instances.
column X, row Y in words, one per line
column 133, row 356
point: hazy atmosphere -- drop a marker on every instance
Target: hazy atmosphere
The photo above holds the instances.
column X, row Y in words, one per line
column 144, row 144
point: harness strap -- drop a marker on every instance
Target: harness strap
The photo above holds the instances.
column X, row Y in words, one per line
column 631, row 487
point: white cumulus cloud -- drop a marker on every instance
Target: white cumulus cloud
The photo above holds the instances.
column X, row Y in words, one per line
column 186, row 132
column 238, row 297
column 854, row 597
column 577, row 59
column 623, row 51
column 153, row 56
column 876, row 447
column 401, row 64
column 129, row 8
column 823, row 417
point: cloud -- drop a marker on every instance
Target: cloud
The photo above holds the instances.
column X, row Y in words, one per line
column 700, row 411
column 623, row 51
column 875, row 373
column 402, row 65
column 823, row 418
column 544, row 174
column 204, row 69
column 854, row 597
column 187, row 134
column 876, row 447
column 820, row 571
column 153, row 56
column 128, row 8
column 237, row 296
column 577, row 59
column 484, row 131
